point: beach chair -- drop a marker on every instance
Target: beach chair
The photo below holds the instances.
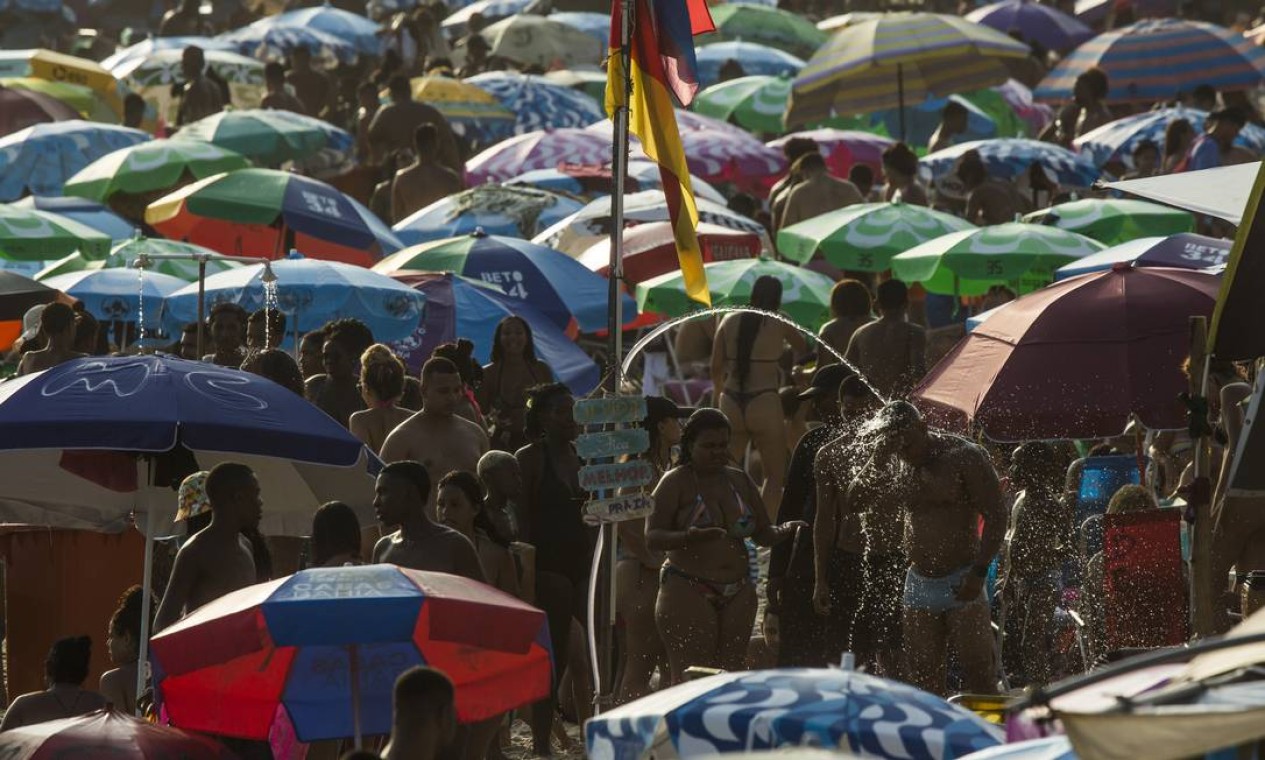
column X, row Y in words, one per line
column 1145, row 602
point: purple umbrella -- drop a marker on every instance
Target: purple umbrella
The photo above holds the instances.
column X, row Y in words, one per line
column 1035, row 22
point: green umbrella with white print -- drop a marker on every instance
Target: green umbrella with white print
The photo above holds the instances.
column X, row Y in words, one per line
column 150, row 166
column 757, row 103
column 864, row 237
column 153, row 74
column 27, row 234
column 805, row 293
column 1115, row 220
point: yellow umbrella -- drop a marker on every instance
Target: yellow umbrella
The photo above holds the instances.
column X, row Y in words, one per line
column 59, row 67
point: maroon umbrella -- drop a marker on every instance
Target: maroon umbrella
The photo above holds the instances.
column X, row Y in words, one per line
column 20, row 109
column 107, row 734
column 1074, row 360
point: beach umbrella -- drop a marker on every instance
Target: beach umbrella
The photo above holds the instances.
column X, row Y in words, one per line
column 41, row 158
column 1007, row 158
column 59, row 67
column 541, row 149
column 108, row 733
column 1184, row 250
column 152, row 76
column 789, row 708
column 1035, row 22
column 805, row 293
column 276, row 43
column 456, row 24
column 496, row 209
column 591, row 83
column 755, row 59
column 472, row 112
column 18, row 294
column 154, row 44
column 1049, row 748
column 650, row 250
column 21, row 108
column 85, row 102
column 596, row 25
column 119, row 295
column 537, row 103
column 1018, row 96
column 1160, row 59
column 1114, row 220
column 1075, row 360
column 266, row 136
column 349, row 27
column 970, row 261
column 264, row 212
column 459, row 307
column 1116, row 140
column 591, row 181
column 842, row 148
column 844, row 20
column 757, row 103
column 922, row 119
column 125, row 254
column 765, row 25
column 33, row 235
column 90, row 214
column 537, row 40
column 150, row 166
column 865, row 237
column 900, row 58
column 561, row 288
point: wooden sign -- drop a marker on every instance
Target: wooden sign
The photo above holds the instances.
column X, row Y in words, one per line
column 594, row 411
column 599, row 477
column 630, row 507
column 612, row 443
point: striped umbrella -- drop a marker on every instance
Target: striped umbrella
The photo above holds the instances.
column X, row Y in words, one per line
column 864, row 237
column 1036, row 22
column 897, row 58
column 1116, row 140
column 757, row 102
column 1009, row 157
column 1158, row 59
column 1114, row 220
column 805, row 294
column 755, row 59
column 275, row 43
column 538, row 103
column 268, row 136
column 152, row 76
column 153, row 165
column 542, row 149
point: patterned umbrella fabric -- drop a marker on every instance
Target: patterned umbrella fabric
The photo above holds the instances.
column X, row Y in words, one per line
column 150, row 45
column 267, row 136
column 843, row 148
column 59, row 67
column 41, row 158
column 119, row 295
column 757, row 103
column 1115, row 141
column 124, row 255
column 457, row 23
column 20, row 108
column 755, row 59
column 765, row 26
column 737, row 713
column 865, row 237
column 1007, row 158
column 970, row 261
column 1035, row 22
column 85, row 101
column 805, row 293
column 31, row 235
column 90, row 214
column 591, row 83
column 591, row 181
column 1160, row 59
column 536, row 103
column 538, row 40
column 596, row 25
column 108, row 733
column 931, row 54
column 153, row 75
column 542, row 149
column 1114, row 220
column 149, row 166
column 1184, row 250
column 263, row 212
column 922, row 119
column 473, row 112
column 496, row 209
column 349, row 27
column 650, row 249
column 275, row 43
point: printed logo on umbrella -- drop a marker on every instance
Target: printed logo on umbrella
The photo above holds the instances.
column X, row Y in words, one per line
column 510, row 282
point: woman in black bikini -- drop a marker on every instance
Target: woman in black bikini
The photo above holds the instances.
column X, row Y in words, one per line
column 703, row 512
column 514, row 369
column 66, row 668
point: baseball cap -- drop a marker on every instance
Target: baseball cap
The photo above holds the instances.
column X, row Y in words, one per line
column 659, row 408
column 827, row 380
column 191, row 499
column 31, row 322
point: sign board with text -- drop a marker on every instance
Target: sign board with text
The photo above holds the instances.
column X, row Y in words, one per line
column 594, row 411
column 598, row 477
column 612, row 443
column 631, row 507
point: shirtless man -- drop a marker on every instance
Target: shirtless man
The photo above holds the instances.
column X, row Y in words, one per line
column 57, row 325
column 424, row 181
column 278, row 97
column 817, row 192
column 337, row 391
column 890, row 352
column 394, row 125
column 437, row 436
column 200, row 96
column 402, row 491
column 218, row 559
column 952, row 485
column 265, row 329
column 314, row 90
column 988, row 200
column 228, row 332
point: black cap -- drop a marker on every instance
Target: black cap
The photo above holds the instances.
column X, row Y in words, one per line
column 659, row 408
column 827, row 379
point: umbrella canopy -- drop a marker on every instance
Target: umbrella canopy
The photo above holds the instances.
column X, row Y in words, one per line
column 1007, row 158
column 843, row 148
column 456, row 306
column 20, row 108
column 59, row 67
column 41, row 158
column 865, row 237
column 456, row 24
column 349, row 27
column 267, row 42
column 150, row 166
column 650, row 249
column 297, row 643
column 472, row 112
column 265, row 135
column 1222, row 192
column 736, row 713
column 764, row 25
column 1114, row 220
column 70, row 438
column 263, row 212
column 119, row 295
column 922, row 119
column 538, row 103
column 558, row 286
column 33, row 235
column 1185, row 250
column 155, row 44
column 152, row 76
column 90, row 214
column 900, row 57
column 537, row 40
column 108, row 733
column 1049, row 748
column 756, row 59
column 844, row 20
column 591, row 83
column 86, row 103
column 1074, row 360
column 310, row 293
column 1160, row 59
column 596, row 25
column 757, row 103
column 496, row 209
column 1116, row 140
column 805, row 293
column 590, row 181
column 1036, row 22
column 971, row 261
column 124, row 255
column 542, row 149
column 17, row 294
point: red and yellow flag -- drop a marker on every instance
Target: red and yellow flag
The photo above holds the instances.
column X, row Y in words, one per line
column 662, row 65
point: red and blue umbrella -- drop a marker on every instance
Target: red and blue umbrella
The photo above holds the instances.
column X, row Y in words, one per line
column 326, row 645
column 1036, row 22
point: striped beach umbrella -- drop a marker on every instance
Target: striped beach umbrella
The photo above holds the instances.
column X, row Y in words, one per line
column 1158, row 59
column 472, row 112
column 268, row 136
column 757, row 103
column 153, row 165
column 537, row 103
column 1007, row 158
column 1116, row 140
column 1036, row 22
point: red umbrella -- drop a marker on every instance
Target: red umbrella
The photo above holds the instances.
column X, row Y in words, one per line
column 1075, row 359
column 650, row 249
column 107, row 734
column 20, row 109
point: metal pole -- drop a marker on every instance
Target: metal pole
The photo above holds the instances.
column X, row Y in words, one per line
column 201, row 307
column 147, row 585
column 354, row 655
column 1204, row 589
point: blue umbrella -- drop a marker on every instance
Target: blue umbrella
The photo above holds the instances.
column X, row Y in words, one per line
column 755, row 59
column 538, row 103
column 756, row 710
column 457, row 307
column 921, row 120
column 1116, row 140
column 1036, row 22
column 147, row 47
column 266, row 42
column 349, row 27
column 457, row 24
column 1049, row 748
column 498, row 210
column 119, row 295
column 1185, row 250
column 597, row 25
column 1008, row 157
column 88, row 213
column 41, row 158
column 310, row 292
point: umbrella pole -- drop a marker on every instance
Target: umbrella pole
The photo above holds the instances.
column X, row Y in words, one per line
column 201, row 307
column 900, row 97
column 354, row 655
column 1203, row 590
column 147, row 584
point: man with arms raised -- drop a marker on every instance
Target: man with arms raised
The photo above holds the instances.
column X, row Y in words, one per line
column 402, row 489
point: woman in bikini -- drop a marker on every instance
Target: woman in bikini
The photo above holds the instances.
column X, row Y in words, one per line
column 514, row 369
column 459, row 505
column 703, row 512
column 118, row 686
column 66, row 669
column 746, row 375
column 381, row 385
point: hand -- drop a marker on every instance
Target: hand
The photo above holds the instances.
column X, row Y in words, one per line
column 703, row 535
column 970, row 587
column 772, row 630
column 821, row 600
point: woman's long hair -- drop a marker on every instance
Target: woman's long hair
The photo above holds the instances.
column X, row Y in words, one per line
column 766, row 294
column 529, row 351
column 468, row 483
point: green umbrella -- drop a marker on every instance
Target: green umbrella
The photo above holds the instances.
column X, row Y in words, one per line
column 971, row 261
column 154, row 165
column 74, row 262
column 864, row 237
column 766, row 26
column 1115, row 220
column 31, row 235
column 265, row 136
column 125, row 254
column 757, row 103
column 805, row 293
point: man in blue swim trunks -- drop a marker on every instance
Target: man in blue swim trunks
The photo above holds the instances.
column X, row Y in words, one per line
column 955, row 486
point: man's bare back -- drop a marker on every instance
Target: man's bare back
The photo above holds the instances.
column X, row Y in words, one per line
column 890, row 354
column 393, row 126
column 949, row 492
column 442, row 549
column 206, row 569
column 816, row 196
column 441, row 443
column 420, row 185
column 45, row 358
